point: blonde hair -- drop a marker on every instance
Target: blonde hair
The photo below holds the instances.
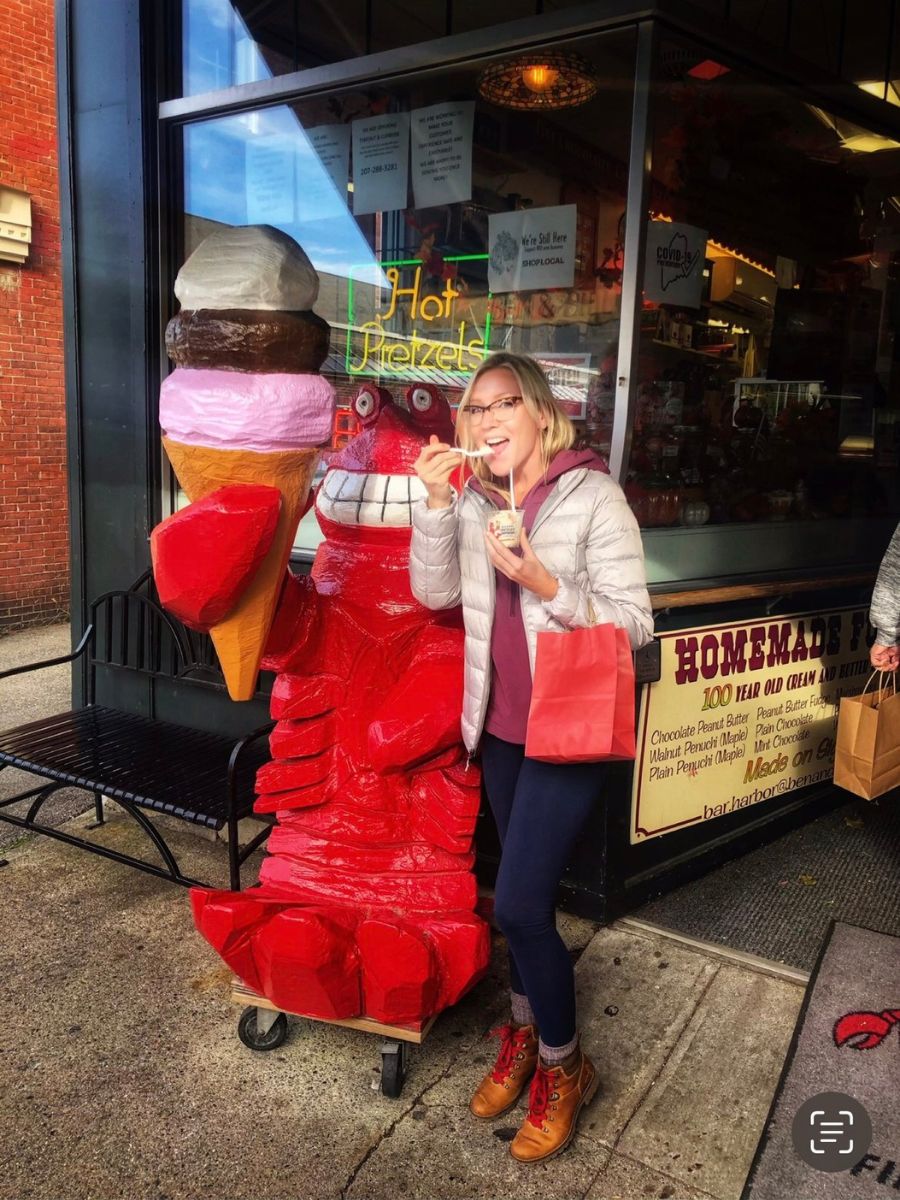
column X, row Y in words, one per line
column 531, row 382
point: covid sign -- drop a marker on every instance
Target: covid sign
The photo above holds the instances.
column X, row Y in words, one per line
column 743, row 713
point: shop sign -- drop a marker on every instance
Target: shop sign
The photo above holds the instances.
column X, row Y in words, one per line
column 532, row 248
column 673, row 268
column 426, row 325
column 743, row 713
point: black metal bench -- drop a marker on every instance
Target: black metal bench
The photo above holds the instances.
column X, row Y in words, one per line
column 143, row 764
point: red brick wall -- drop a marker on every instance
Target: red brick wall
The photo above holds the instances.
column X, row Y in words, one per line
column 34, row 552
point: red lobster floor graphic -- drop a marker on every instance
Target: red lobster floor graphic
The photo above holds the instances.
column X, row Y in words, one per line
column 864, row 1030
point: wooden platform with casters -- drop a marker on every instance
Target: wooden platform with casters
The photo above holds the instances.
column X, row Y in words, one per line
column 263, row 1026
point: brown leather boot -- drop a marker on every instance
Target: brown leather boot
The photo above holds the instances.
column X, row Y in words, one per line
column 504, row 1084
column 554, row 1103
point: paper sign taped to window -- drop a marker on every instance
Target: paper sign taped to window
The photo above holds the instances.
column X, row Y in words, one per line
column 673, row 270
column 531, row 249
column 380, row 163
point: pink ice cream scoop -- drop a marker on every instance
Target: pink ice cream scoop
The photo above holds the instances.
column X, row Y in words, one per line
column 245, row 411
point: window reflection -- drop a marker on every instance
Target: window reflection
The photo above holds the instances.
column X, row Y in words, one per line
column 264, row 168
column 219, row 49
column 228, row 42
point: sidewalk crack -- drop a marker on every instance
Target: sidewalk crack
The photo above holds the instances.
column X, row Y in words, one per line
column 417, row 1099
column 664, row 1064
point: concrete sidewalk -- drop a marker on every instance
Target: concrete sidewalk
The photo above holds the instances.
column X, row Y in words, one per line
column 121, row 1074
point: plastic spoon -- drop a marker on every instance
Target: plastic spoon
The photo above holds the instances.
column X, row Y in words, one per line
column 482, row 453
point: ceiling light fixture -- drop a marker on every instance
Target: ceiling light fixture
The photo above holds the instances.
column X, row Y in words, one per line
column 708, row 70
column 877, row 89
column 854, row 137
column 539, row 79
column 536, row 81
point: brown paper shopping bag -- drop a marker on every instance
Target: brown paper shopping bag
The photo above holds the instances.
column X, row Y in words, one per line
column 867, row 752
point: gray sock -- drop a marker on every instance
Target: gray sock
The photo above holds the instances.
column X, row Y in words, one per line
column 522, row 1012
column 554, row 1055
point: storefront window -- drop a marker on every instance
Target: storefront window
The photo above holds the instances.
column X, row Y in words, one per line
column 400, row 194
column 858, row 43
column 228, row 42
column 768, row 375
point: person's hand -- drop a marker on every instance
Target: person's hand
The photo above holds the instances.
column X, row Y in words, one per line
column 528, row 570
column 884, row 658
column 434, row 466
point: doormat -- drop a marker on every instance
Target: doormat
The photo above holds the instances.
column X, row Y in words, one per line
column 837, row 1104
column 778, row 901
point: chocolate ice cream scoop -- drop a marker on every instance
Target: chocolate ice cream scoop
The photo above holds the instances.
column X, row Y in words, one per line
column 240, row 339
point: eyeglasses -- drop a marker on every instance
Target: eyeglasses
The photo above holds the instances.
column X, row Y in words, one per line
column 502, row 409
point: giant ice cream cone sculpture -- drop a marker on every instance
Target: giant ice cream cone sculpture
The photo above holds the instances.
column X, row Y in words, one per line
column 246, row 296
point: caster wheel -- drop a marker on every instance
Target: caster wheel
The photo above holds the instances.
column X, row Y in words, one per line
column 262, row 1034
column 394, row 1059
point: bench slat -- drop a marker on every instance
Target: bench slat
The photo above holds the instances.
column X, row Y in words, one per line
column 155, row 764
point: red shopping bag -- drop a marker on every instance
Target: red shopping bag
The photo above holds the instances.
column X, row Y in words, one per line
column 582, row 698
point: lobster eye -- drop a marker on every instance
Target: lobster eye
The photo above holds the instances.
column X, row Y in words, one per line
column 421, row 400
column 364, row 404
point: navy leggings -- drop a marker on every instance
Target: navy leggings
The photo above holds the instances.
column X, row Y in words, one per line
column 540, row 808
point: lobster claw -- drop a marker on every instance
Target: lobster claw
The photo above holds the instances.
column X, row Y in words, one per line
column 863, row 1030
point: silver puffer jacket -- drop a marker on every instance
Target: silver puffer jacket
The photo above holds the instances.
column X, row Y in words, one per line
column 584, row 533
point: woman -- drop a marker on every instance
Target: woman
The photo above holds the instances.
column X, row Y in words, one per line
column 884, row 614
column 580, row 562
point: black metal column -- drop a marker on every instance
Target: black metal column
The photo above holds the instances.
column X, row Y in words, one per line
column 639, row 168
column 107, row 103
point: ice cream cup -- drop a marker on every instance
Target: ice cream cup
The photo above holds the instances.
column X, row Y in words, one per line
column 506, row 526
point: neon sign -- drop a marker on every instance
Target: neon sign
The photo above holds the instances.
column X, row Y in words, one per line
column 433, row 338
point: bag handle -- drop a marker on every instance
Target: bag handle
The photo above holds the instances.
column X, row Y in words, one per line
column 881, row 688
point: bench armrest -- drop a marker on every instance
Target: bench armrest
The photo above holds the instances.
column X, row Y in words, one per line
column 245, row 741
column 53, row 662
column 239, row 748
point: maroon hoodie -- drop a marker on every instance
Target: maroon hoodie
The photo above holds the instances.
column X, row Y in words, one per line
column 510, row 699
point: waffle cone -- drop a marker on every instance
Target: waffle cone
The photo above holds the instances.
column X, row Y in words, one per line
column 240, row 638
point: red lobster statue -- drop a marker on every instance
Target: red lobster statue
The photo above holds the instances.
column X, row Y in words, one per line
column 366, row 899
